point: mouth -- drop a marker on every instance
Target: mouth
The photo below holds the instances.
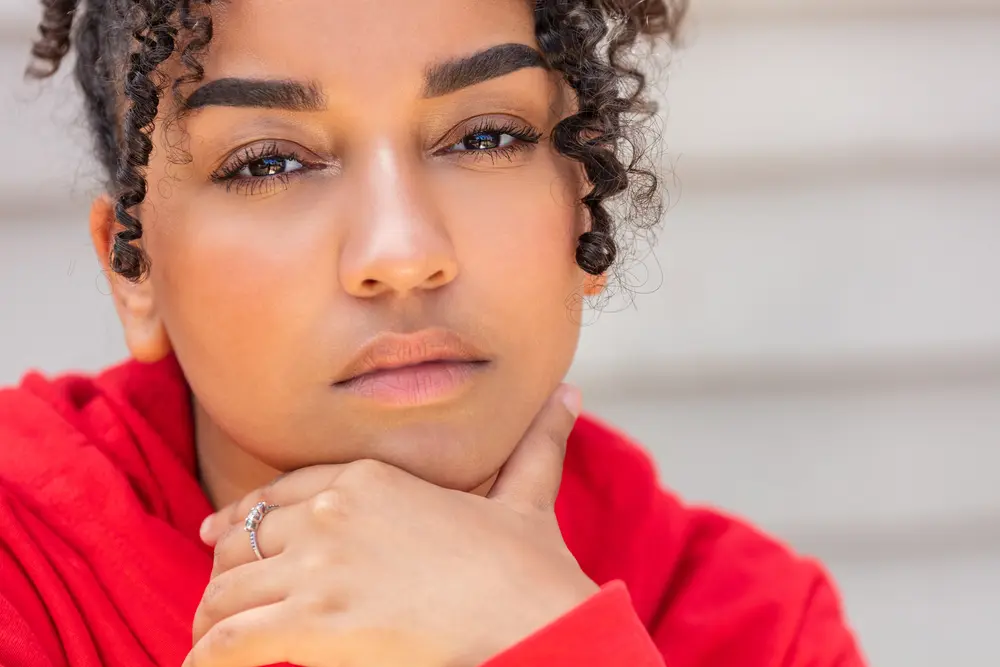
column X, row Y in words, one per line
column 411, row 370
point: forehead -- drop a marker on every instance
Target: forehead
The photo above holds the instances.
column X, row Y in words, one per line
column 357, row 43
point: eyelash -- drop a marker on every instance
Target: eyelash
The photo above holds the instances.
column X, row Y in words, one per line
column 228, row 175
column 525, row 138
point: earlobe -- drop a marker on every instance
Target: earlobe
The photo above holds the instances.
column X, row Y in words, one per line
column 594, row 285
column 135, row 302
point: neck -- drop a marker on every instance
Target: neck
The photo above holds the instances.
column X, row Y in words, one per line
column 226, row 471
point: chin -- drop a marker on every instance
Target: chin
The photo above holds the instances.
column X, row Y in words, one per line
column 444, row 454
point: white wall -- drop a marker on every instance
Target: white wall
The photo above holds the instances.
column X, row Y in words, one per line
column 816, row 341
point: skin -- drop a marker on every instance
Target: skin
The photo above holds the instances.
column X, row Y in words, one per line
column 266, row 292
column 264, row 298
column 333, row 590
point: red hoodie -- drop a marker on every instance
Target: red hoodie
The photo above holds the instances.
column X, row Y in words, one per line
column 101, row 564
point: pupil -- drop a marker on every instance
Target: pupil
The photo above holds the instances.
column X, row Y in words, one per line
column 268, row 166
column 483, row 141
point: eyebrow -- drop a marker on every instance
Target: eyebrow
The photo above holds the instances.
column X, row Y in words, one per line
column 496, row 61
column 258, row 93
column 440, row 79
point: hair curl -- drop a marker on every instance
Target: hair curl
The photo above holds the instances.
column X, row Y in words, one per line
column 121, row 43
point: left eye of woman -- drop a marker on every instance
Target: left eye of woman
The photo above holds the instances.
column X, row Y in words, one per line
column 269, row 165
column 484, row 140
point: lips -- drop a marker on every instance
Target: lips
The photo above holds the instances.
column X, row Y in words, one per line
column 429, row 366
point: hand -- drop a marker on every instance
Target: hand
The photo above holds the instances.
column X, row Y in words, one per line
column 367, row 565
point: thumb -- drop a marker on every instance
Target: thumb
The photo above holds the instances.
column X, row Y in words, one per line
column 532, row 474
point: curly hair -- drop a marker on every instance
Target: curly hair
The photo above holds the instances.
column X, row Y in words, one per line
column 121, row 43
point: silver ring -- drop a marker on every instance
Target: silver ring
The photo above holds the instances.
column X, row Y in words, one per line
column 256, row 515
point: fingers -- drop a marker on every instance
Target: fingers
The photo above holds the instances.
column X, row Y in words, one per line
column 286, row 632
column 242, row 588
column 532, row 474
column 233, row 548
column 259, row 636
column 286, row 489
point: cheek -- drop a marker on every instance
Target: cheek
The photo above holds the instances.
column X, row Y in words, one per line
column 524, row 224
column 235, row 278
column 515, row 235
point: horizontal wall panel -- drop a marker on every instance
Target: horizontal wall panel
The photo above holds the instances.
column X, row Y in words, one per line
column 810, row 276
column 835, row 91
column 814, row 10
column 924, row 613
column 55, row 312
column 864, row 468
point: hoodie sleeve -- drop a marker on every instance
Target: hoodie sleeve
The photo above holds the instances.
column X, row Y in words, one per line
column 682, row 586
column 606, row 632
column 603, row 631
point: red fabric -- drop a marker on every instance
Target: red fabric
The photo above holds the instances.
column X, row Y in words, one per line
column 100, row 561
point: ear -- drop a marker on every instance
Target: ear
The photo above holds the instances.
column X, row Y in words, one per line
column 135, row 302
column 594, row 285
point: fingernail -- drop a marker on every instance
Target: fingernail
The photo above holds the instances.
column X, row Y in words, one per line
column 205, row 526
column 572, row 399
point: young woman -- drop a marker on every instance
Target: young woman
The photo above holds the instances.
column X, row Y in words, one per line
column 349, row 241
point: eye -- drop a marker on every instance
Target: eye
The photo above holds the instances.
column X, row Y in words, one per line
column 265, row 168
column 271, row 165
column 495, row 139
column 484, row 140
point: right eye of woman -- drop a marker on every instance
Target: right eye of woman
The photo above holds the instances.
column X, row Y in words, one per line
column 261, row 169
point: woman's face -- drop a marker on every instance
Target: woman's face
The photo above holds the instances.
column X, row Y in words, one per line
column 359, row 176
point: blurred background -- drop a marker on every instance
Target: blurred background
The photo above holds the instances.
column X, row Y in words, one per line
column 814, row 344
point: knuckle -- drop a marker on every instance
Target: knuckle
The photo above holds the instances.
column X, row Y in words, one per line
column 217, row 559
column 543, row 504
column 314, row 563
column 550, row 438
column 564, row 426
column 329, row 505
column 319, row 604
column 230, row 534
column 557, row 433
column 222, row 548
column 223, row 637
column 538, row 502
column 213, row 597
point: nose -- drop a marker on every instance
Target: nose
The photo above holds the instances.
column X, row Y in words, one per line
column 398, row 242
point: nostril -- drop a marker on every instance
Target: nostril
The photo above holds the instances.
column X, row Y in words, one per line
column 437, row 278
column 369, row 284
